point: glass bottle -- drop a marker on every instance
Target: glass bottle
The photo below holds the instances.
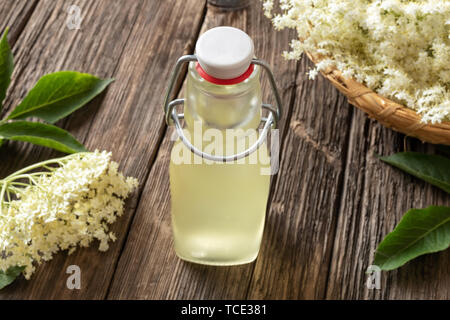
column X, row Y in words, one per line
column 218, row 207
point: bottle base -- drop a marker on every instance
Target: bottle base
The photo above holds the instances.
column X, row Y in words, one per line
column 217, row 263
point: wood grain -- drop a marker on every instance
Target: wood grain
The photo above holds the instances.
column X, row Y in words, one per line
column 331, row 204
column 302, row 216
column 45, row 46
column 148, row 267
column 15, row 15
column 375, row 197
column 130, row 108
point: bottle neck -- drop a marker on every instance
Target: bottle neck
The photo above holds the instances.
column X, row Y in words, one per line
column 232, row 81
column 235, row 106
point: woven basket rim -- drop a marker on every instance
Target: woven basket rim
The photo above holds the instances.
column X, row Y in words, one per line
column 387, row 111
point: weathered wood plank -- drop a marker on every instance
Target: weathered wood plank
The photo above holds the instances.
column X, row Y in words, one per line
column 148, row 267
column 133, row 125
column 15, row 15
column 294, row 258
column 331, row 204
column 46, row 45
column 375, row 198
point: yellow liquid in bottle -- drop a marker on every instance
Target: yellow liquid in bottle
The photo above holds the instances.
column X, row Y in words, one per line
column 218, row 209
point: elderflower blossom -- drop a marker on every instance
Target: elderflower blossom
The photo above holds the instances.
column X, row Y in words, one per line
column 398, row 48
column 69, row 206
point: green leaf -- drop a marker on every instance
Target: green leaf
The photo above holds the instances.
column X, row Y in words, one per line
column 41, row 134
column 56, row 95
column 431, row 168
column 9, row 276
column 6, row 66
column 420, row 231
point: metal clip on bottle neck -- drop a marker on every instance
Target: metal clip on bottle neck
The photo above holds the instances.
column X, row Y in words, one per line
column 172, row 117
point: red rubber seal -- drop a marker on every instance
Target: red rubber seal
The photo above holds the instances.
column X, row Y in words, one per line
column 211, row 79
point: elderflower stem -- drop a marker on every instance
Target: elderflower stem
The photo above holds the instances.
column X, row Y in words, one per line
column 59, row 161
column 19, row 184
column 2, row 195
column 13, row 189
column 22, row 174
column 42, row 173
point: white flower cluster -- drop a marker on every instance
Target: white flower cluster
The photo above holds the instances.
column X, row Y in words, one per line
column 398, row 48
column 64, row 207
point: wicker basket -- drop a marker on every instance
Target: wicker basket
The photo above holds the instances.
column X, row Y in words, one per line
column 388, row 112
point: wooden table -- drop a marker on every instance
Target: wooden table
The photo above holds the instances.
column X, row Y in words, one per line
column 330, row 205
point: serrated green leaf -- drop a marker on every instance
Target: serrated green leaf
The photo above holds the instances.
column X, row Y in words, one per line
column 432, row 168
column 41, row 134
column 6, row 66
column 58, row 94
column 419, row 232
column 9, row 276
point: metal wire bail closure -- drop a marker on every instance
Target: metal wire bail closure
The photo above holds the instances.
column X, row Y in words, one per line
column 172, row 117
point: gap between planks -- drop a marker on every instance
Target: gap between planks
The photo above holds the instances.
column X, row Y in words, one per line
column 22, row 24
column 340, row 199
column 13, row 36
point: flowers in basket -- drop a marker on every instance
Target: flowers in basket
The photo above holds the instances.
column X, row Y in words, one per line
column 400, row 49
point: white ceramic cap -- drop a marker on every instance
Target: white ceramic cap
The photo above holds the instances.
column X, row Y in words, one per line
column 224, row 52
